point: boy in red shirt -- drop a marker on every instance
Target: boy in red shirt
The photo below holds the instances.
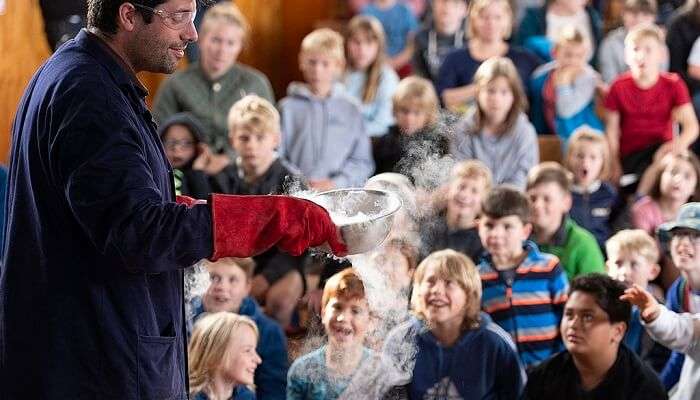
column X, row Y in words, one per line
column 643, row 105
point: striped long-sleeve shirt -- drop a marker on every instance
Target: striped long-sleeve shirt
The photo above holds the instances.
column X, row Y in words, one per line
column 527, row 302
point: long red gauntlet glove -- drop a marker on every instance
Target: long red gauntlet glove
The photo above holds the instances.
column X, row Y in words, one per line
column 248, row 225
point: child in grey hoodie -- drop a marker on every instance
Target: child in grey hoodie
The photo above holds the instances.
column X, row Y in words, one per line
column 323, row 132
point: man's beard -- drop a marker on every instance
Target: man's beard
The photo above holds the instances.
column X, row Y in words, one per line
column 152, row 55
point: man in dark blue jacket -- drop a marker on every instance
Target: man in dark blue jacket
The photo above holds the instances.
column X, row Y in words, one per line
column 91, row 287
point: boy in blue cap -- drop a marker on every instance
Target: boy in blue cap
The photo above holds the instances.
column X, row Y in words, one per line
column 680, row 332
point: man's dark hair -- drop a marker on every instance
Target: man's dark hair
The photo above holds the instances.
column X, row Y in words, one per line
column 102, row 14
column 606, row 292
column 505, row 200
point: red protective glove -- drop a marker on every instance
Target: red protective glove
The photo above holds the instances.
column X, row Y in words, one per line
column 244, row 226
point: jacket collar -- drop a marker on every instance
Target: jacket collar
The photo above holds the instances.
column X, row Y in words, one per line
column 588, row 189
column 120, row 71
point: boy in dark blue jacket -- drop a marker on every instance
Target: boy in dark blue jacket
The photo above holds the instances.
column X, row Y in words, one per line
column 229, row 291
column 458, row 354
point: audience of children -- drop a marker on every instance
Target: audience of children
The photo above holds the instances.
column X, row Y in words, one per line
column 595, row 364
column 541, row 25
column 633, row 259
column 369, row 77
column 417, row 135
column 323, row 132
column 549, row 189
column 523, row 289
column 229, row 292
column 611, row 54
column 444, row 35
column 208, row 88
column 564, row 90
column 490, row 26
column 497, row 131
column 400, row 26
column 222, row 357
column 528, row 245
column 324, row 373
column 592, row 197
column 642, row 106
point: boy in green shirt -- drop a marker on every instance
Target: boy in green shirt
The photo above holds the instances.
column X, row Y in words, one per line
column 549, row 189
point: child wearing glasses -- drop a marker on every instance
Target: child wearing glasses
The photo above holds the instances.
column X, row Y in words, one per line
column 679, row 330
column 182, row 139
column 595, row 365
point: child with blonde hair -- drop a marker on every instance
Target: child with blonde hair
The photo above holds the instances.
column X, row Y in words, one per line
column 611, row 53
column 497, row 132
column 633, row 259
column 323, row 131
column 564, row 90
column 222, row 357
column 593, row 198
column 417, row 137
column 456, row 227
column 369, row 78
column 643, row 105
column 490, row 27
column 229, row 291
column 457, row 346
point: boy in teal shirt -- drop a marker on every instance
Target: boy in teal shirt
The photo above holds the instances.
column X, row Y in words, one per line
column 549, row 189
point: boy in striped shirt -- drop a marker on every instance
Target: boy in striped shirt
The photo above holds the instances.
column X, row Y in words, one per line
column 524, row 290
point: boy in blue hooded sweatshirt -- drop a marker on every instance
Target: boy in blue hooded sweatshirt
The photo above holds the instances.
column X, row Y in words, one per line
column 229, row 291
column 459, row 355
column 323, row 132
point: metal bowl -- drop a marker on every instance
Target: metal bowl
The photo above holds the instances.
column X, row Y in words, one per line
column 364, row 216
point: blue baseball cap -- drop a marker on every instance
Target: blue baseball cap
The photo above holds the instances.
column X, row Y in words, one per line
column 688, row 218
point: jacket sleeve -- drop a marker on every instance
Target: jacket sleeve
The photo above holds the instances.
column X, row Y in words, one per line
column 448, row 75
column 272, row 379
column 529, row 26
column 359, row 165
column 527, row 155
column 573, row 98
column 460, row 143
column 383, row 117
column 296, row 387
column 558, row 289
column 165, row 103
column 265, row 89
column 509, row 380
column 671, row 372
column 589, row 257
column 100, row 162
column 679, row 332
column 606, row 59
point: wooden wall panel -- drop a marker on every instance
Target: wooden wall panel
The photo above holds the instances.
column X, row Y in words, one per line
column 23, row 47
